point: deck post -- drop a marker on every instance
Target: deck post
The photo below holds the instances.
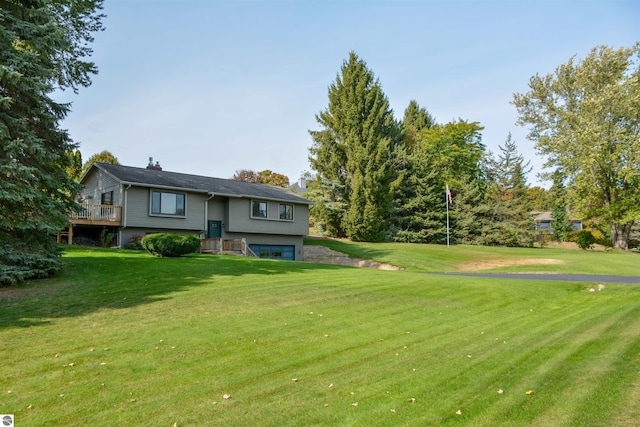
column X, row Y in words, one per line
column 70, row 236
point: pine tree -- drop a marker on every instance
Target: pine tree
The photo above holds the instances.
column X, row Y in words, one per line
column 415, row 119
column 471, row 215
column 419, row 209
column 351, row 153
column 43, row 48
column 512, row 224
column 559, row 209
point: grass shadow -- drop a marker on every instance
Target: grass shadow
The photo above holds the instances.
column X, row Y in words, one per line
column 96, row 279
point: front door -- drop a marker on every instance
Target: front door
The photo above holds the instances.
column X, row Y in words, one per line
column 215, row 229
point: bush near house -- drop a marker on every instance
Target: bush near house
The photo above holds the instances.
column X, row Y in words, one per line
column 134, row 243
column 170, row 245
column 22, row 257
column 585, row 239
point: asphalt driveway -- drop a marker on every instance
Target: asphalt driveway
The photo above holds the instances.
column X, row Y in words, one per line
column 590, row 278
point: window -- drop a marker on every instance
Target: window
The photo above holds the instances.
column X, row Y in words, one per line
column 258, row 209
column 163, row 203
column 286, row 212
column 107, row 198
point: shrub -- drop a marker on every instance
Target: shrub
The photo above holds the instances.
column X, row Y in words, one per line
column 24, row 257
column 585, row 239
column 134, row 242
column 170, row 245
column 106, row 238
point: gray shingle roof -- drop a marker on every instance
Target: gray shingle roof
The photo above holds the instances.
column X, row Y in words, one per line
column 182, row 181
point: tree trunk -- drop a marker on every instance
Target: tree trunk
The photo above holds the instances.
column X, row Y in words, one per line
column 620, row 235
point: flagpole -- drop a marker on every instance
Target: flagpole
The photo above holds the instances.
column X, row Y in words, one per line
column 446, row 199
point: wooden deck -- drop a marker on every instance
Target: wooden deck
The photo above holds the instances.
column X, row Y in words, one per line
column 219, row 246
column 97, row 215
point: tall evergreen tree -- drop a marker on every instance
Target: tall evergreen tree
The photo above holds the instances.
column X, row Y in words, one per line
column 471, row 212
column 511, row 210
column 559, row 208
column 419, row 209
column 415, row 119
column 351, row 153
column 43, row 48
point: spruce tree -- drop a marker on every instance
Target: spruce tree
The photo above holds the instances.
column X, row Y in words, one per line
column 415, row 119
column 559, row 209
column 351, row 153
column 419, row 209
column 512, row 224
column 43, row 48
column 471, row 213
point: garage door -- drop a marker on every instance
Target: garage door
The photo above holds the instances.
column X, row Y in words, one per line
column 287, row 252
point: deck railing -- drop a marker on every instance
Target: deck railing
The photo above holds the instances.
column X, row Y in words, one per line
column 218, row 246
column 211, row 245
column 97, row 214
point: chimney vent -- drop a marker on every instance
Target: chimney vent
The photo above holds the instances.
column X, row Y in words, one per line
column 155, row 167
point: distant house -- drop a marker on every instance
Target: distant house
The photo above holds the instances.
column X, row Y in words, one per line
column 543, row 222
column 299, row 187
column 226, row 214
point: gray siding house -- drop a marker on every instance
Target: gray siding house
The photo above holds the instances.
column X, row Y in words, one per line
column 226, row 214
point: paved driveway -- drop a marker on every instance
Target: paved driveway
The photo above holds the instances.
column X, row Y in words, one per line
column 557, row 277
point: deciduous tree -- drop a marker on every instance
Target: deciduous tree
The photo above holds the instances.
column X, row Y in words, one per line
column 263, row 177
column 584, row 118
column 104, row 156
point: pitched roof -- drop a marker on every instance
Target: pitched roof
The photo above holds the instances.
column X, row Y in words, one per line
column 182, row 181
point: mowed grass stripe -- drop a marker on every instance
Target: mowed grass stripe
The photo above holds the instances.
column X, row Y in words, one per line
column 175, row 335
column 562, row 374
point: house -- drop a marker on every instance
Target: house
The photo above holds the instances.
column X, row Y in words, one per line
column 228, row 215
column 299, row 187
column 543, row 222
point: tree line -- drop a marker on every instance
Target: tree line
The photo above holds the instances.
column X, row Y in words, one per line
column 378, row 178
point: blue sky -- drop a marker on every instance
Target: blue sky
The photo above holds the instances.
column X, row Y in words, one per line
column 211, row 87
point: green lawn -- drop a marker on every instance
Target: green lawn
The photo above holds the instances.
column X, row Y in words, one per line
column 121, row 338
column 439, row 258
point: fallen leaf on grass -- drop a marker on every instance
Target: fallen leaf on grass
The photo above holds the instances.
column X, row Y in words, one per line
column 354, row 404
column 501, row 391
column 326, row 405
column 226, row 396
column 529, row 392
column 458, row 412
column 295, row 380
column 411, row 399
